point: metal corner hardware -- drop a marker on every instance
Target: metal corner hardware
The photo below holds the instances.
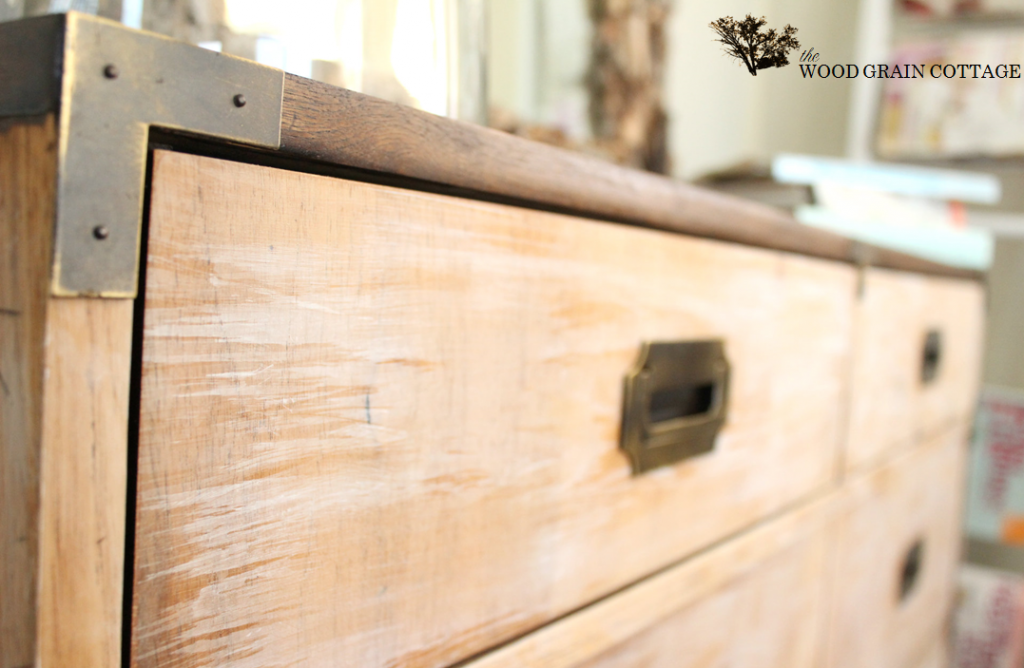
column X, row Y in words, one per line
column 115, row 83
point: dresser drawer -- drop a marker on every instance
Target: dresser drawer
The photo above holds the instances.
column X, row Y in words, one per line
column 768, row 618
column 756, row 601
column 898, row 546
column 937, row 657
column 916, row 361
column 380, row 427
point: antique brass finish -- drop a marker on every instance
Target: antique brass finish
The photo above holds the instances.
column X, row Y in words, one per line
column 110, row 84
column 675, row 402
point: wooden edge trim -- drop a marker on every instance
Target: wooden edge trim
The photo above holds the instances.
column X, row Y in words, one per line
column 885, row 258
column 65, row 376
column 31, row 63
column 341, row 127
column 84, row 471
column 588, row 632
column 28, row 172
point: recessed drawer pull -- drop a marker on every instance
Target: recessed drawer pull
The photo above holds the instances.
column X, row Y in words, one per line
column 675, row 402
column 910, row 572
column 931, row 357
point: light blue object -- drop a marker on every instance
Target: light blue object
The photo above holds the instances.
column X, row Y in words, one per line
column 941, row 184
column 995, row 490
column 968, row 248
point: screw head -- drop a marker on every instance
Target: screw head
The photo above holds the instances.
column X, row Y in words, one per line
column 239, row 100
column 111, row 71
column 100, row 232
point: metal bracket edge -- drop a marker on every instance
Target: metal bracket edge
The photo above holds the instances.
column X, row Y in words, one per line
column 116, row 83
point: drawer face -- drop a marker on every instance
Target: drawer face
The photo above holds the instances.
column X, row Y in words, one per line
column 756, row 600
column 770, row 618
column 898, row 548
column 893, row 404
column 938, row 657
column 380, row 427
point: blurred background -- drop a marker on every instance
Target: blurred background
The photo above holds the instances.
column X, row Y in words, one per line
column 928, row 166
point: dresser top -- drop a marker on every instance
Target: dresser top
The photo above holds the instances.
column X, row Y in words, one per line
column 117, row 92
column 328, row 124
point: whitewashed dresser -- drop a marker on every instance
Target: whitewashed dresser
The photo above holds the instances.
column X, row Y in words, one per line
column 296, row 377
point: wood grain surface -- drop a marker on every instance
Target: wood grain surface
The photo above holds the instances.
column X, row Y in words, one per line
column 938, row 656
column 64, row 377
column 28, row 164
column 332, row 125
column 84, row 471
column 755, row 601
column 916, row 497
column 380, row 427
column 770, row 618
column 891, row 406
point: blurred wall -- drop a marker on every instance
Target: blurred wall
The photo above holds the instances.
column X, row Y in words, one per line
column 1003, row 366
column 717, row 111
column 538, row 56
column 1004, row 358
column 721, row 115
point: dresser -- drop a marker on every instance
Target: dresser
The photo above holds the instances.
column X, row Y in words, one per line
column 297, row 377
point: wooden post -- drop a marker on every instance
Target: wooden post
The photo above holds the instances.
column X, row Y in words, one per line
column 65, row 369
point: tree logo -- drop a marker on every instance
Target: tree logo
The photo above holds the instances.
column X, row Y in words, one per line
column 758, row 50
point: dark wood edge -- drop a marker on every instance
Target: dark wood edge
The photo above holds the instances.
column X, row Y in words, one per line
column 340, row 127
column 31, row 64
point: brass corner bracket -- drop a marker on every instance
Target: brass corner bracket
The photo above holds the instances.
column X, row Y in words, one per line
column 110, row 84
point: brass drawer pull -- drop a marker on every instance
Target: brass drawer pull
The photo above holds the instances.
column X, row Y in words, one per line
column 931, row 357
column 675, row 402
